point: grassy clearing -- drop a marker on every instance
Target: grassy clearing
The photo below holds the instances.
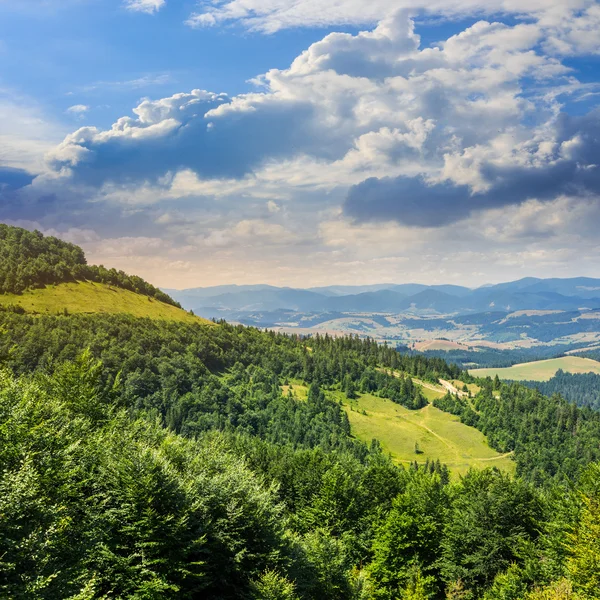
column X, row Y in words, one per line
column 541, row 370
column 472, row 387
column 298, row 389
column 87, row 297
column 439, row 435
column 429, row 390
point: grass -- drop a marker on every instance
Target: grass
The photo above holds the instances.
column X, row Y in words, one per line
column 430, row 392
column 472, row 387
column 298, row 389
column 439, row 435
column 87, row 297
column 541, row 370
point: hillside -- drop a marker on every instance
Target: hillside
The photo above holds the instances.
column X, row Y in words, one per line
column 45, row 275
column 439, row 436
column 168, row 458
column 165, row 462
column 30, row 260
column 90, row 297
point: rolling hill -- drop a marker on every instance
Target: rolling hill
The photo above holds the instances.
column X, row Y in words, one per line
column 90, row 297
column 45, row 275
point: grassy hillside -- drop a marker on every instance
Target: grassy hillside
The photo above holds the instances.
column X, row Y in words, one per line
column 89, row 297
column 439, row 435
column 542, row 370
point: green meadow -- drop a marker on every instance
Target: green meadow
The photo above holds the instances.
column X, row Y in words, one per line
column 541, row 370
column 438, row 435
column 88, row 297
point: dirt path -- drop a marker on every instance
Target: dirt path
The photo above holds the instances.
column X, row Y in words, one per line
column 496, row 457
column 428, row 386
column 452, row 389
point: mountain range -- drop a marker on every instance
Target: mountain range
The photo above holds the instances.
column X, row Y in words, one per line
column 525, row 294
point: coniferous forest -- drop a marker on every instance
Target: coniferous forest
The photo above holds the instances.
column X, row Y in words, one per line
column 151, row 459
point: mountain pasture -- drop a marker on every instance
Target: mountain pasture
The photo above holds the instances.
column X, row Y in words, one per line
column 541, row 370
column 90, row 297
column 436, row 434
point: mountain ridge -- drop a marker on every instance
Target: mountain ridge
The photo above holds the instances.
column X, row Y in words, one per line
column 529, row 293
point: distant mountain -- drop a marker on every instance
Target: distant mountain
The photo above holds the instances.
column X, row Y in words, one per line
column 530, row 293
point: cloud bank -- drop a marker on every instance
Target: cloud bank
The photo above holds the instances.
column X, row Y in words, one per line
column 363, row 147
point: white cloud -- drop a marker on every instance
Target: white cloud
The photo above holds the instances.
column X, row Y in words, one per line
column 212, row 174
column 272, row 15
column 78, row 109
column 145, row 6
column 350, row 107
column 26, row 133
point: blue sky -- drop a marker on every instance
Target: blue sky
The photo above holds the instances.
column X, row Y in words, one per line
column 285, row 142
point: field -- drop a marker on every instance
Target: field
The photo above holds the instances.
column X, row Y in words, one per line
column 87, row 297
column 439, row 435
column 542, row 370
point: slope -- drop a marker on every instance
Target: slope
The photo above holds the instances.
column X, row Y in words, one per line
column 90, row 297
column 437, row 435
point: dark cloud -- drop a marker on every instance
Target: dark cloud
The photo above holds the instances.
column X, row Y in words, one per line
column 220, row 146
column 13, row 179
column 412, row 201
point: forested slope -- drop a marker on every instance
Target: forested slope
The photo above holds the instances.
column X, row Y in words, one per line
column 119, row 476
column 581, row 388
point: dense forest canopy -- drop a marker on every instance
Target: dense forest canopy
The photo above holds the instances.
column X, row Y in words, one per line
column 31, row 260
column 184, row 472
column 581, row 388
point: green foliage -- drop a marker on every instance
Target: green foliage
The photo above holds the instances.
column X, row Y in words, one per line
column 30, row 260
column 552, row 439
column 272, row 586
column 584, row 563
column 162, row 460
column 560, row 590
column 410, row 537
column 491, row 518
column 121, row 508
column 581, row 388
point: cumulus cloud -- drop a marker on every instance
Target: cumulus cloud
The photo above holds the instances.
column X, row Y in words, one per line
column 144, row 6
column 354, row 102
column 565, row 165
column 210, row 133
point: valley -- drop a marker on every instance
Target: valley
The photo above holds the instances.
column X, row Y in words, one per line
column 493, row 326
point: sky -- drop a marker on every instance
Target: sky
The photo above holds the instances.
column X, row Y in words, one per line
column 305, row 143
